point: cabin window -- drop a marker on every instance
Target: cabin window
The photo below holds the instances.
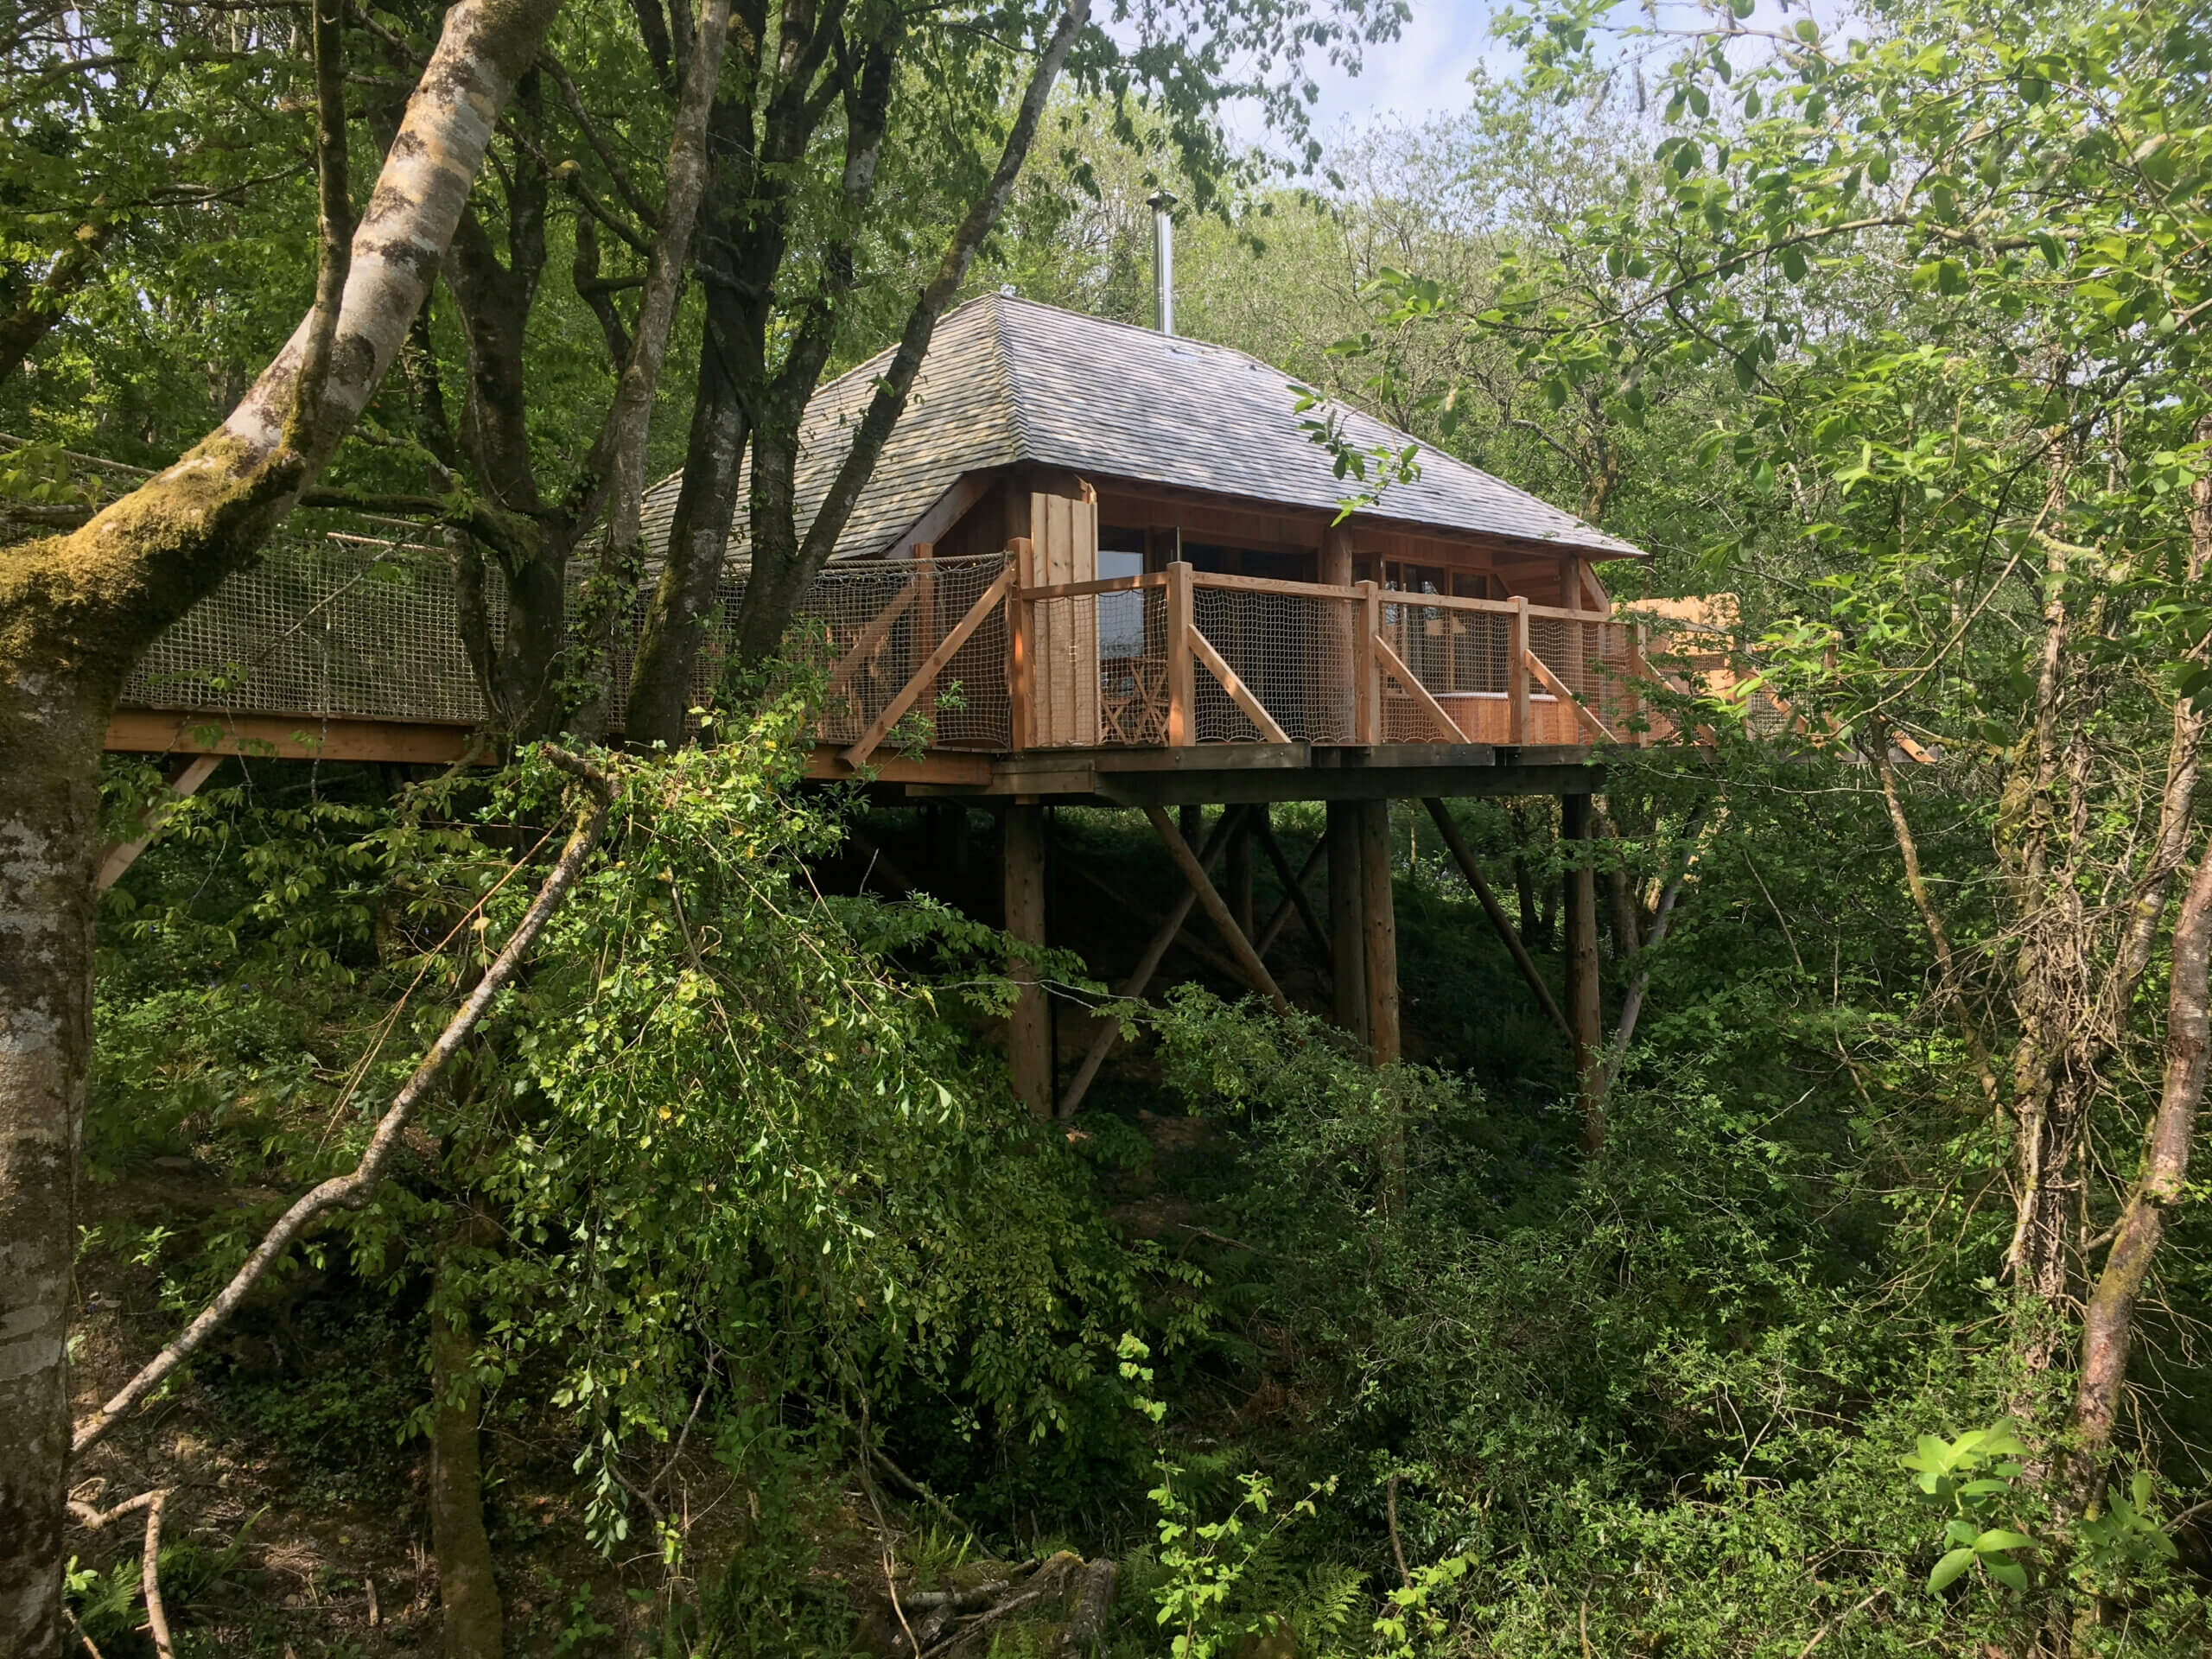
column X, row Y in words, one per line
column 1121, row 616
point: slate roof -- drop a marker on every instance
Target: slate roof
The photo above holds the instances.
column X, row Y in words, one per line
column 1009, row 379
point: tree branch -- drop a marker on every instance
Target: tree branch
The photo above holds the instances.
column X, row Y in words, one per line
column 354, row 1189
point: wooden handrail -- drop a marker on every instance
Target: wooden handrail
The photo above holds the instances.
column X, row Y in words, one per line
column 1389, row 596
column 1099, row 585
column 947, row 649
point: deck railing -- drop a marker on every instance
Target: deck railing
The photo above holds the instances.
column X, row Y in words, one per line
column 1182, row 656
column 954, row 654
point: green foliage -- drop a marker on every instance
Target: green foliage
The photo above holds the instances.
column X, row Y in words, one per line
column 1968, row 1479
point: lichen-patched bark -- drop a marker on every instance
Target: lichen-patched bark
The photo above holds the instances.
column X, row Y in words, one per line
column 76, row 612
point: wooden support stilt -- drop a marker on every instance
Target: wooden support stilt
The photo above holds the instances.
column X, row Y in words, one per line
column 1379, row 932
column 1294, row 894
column 1585, row 1018
column 1139, row 979
column 1237, row 877
column 1028, row 1025
column 1347, row 933
column 1186, row 940
column 1216, row 910
column 1465, row 859
column 120, row 857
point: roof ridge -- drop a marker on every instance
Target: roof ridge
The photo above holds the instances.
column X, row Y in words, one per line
column 1002, row 362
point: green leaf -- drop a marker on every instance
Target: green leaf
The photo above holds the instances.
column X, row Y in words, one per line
column 2007, row 1573
column 2001, row 1538
column 1947, row 1570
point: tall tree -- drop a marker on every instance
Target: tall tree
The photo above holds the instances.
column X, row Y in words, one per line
column 1954, row 265
column 779, row 299
column 76, row 612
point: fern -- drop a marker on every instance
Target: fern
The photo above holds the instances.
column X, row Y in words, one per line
column 1330, row 1601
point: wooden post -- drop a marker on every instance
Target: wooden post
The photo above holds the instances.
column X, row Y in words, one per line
column 1182, row 674
column 1516, row 674
column 1464, row 857
column 1021, row 653
column 1028, row 1025
column 1378, row 931
column 1238, row 876
column 1584, row 1016
column 1347, row 932
column 1574, row 666
column 1335, row 690
column 1366, row 665
column 1632, row 678
column 1252, row 970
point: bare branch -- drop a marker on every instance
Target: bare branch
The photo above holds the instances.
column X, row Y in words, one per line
column 355, row 1188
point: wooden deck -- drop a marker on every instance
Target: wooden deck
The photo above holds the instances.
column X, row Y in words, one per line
column 949, row 677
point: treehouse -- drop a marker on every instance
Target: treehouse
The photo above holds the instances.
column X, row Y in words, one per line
column 1095, row 563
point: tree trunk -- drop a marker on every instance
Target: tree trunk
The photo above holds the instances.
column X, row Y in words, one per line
column 2108, row 1326
column 76, row 612
column 468, row 1591
column 782, row 563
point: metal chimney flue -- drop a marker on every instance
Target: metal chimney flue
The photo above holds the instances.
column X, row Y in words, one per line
column 1162, row 204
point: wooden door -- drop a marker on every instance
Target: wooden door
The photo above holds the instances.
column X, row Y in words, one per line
column 1063, row 632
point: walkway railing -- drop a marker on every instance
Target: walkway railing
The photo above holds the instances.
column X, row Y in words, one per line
column 1183, row 656
column 954, row 654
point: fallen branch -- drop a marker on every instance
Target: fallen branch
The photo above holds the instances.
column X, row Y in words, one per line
column 157, row 1618
column 352, row 1189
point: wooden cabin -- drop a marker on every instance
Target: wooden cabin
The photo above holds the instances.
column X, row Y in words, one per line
column 1176, row 573
column 1096, row 564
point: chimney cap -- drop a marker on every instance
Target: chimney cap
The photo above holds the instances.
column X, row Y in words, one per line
column 1160, row 200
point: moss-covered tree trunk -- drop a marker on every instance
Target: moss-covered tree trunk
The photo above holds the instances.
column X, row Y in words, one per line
column 76, row 613
column 474, row 1619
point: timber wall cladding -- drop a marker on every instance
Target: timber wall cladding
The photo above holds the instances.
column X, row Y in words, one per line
column 1063, row 633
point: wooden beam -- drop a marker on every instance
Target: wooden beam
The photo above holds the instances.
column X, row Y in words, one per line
column 1367, row 673
column 1182, row 681
column 1239, row 693
column 122, row 855
column 1465, row 858
column 1394, row 665
column 1140, row 977
column 293, row 737
column 1216, row 912
column 1283, row 909
column 1517, row 656
column 945, row 511
column 1199, row 949
column 1294, row 887
column 947, row 649
column 1558, row 688
column 871, row 637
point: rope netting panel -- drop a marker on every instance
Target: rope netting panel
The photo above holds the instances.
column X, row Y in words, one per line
column 332, row 627
column 869, row 627
column 1293, row 653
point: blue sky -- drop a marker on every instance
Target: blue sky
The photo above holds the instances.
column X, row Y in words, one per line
column 1422, row 73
